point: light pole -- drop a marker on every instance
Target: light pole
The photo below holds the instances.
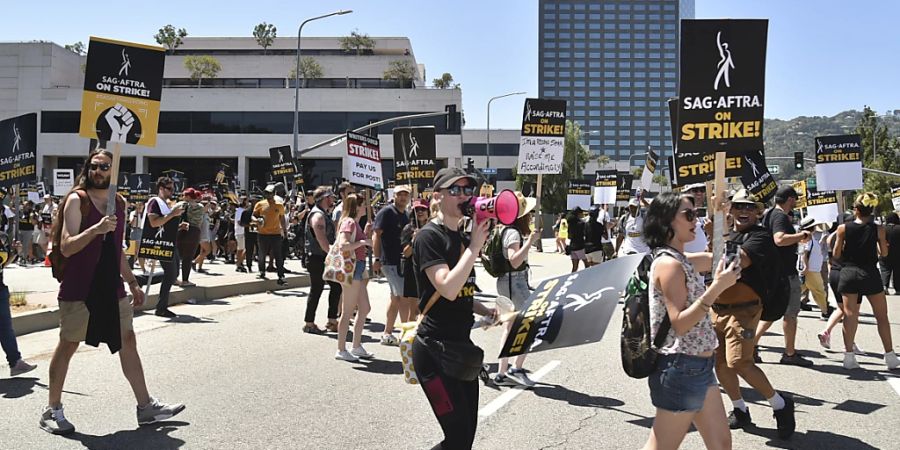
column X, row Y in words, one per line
column 297, row 78
column 488, row 148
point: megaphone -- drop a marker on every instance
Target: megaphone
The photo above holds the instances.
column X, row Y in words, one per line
column 504, row 207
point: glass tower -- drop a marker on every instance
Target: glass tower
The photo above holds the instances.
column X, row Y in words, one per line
column 615, row 62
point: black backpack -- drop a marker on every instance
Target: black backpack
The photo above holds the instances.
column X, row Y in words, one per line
column 778, row 287
column 246, row 214
column 638, row 353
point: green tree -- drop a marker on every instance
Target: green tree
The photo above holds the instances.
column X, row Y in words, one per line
column 202, row 66
column 357, row 42
column 444, row 82
column 170, row 38
column 661, row 180
column 265, row 35
column 310, row 69
column 872, row 129
column 78, row 48
column 400, row 70
column 555, row 187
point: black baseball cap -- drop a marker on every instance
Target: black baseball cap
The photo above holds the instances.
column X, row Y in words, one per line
column 449, row 175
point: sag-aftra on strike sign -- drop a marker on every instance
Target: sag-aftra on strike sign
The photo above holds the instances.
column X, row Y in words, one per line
column 722, row 89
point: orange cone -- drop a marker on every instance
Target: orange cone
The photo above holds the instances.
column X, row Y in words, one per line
column 47, row 256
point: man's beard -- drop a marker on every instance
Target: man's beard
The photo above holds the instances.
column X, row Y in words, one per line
column 91, row 184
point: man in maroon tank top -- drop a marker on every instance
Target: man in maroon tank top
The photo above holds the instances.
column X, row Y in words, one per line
column 82, row 242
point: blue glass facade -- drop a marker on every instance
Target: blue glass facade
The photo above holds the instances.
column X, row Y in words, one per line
column 616, row 63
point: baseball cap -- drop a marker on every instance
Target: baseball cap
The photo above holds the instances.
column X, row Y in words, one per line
column 420, row 204
column 270, row 188
column 742, row 196
column 449, row 175
column 402, row 188
column 633, row 202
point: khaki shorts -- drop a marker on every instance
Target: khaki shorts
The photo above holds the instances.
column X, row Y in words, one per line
column 241, row 241
column 736, row 330
column 595, row 257
column 73, row 319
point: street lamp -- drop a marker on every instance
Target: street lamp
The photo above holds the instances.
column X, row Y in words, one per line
column 488, row 148
column 297, row 78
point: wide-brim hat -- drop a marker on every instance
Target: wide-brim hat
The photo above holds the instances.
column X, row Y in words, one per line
column 449, row 175
column 688, row 187
column 526, row 204
column 808, row 223
column 742, row 196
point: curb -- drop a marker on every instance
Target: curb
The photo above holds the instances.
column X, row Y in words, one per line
column 46, row 319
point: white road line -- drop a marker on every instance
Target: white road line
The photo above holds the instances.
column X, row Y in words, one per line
column 895, row 383
column 509, row 395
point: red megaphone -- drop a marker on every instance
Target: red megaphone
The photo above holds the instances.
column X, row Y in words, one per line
column 504, row 207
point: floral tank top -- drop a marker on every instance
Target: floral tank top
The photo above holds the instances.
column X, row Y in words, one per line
column 701, row 337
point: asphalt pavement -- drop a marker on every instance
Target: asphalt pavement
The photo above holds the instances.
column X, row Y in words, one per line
column 252, row 380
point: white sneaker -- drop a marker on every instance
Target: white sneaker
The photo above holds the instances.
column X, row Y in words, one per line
column 891, row 360
column 389, row 340
column 520, row 377
column 345, row 356
column 858, row 350
column 361, row 353
column 850, row 361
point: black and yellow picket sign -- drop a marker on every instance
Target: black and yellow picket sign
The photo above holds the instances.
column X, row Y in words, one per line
column 605, row 178
column 415, row 155
column 815, row 198
column 895, row 196
column 122, row 92
column 624, row 180
column 800, row 187
column 579, row 188
column 282, row 161
column 18, row 150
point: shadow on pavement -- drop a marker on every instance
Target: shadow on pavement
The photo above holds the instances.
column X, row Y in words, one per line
column 575, row 398
column 187, row 318
column 810, row 439
column 380, row 366
column 18, row 387
column 288, row 293
column 155, row 436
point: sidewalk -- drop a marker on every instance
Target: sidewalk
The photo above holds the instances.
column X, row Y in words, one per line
column 220, row 281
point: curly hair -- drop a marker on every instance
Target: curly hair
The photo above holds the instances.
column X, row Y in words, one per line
column 865, row 203
column 658, row 230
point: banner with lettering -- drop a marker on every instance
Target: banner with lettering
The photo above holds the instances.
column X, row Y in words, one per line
column 579, row 195
column 124, row 185
column 800, row 187
column 122, row 92
column 722, row 85
column 649, row 169
column 895, row 197
column 543, row 137
column 140, row 187
column 282, row 161
column 363, row 163
column 756, row 178
column 839, row 162
column 605, row 187
column 822, row 206
column 624, row 180
column 415, row 152
column 18, row 150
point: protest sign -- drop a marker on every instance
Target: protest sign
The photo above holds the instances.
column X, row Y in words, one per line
column 140, row 187
column 124, row 185
column 579, row 195
column 720, row 101
column 756, row 178
column 282, row 161
column 363, row 163
column 18, row 150
column 822, row 206
column 800, row 187
column 839, row 162
column 649, row 169
column 605, row 185
column 624, row 180
column 415, row 153
column 895, row 197
column 570, row 310
column 63, row 181
column 158, row 243
column 543, row 136
column 122, row 92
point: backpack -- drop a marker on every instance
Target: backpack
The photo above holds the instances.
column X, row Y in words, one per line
column 492, row 258
column 778, row 287
column 638, row 352
column 57, row 259
column 246, row 214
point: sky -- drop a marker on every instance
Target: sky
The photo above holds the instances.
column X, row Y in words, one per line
column 824, row 56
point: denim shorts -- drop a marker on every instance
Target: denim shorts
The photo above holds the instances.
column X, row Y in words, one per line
column 394, row 279
column 680, row 382
column 359, row 270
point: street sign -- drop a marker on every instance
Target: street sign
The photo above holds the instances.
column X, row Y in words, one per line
column 811, row 182
column 774, row 169
column 489, row 171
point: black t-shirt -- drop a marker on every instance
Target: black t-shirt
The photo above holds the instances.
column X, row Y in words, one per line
column 757, row 243
column 450, row 320
column 892, row 233
column 576, row 234
column 779, row 222
column 391, row 222
column 25, row 223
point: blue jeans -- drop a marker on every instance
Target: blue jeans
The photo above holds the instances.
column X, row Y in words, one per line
column 7, row 335
column 680, row 382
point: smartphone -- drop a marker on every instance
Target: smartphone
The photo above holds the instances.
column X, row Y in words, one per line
column 732, row 253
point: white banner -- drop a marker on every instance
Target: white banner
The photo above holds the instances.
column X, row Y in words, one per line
column 540, row 155
column 826, row 213
column 604, row 195
column 63, row 181
column 363, row 163
column 581, row 201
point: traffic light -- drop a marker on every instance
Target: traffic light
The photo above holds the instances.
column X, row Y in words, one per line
column 798, row 160
column 451, row 119
column 470, row 165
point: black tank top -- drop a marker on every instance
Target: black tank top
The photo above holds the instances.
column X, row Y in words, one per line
column 860, row 241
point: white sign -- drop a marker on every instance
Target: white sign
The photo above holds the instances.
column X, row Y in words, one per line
column 63, row 181
column 363, row 163
column 826, row 213
column 540, row 154
column 895, row 197
column 604, row 195
column 774, row 169
column 581, row 201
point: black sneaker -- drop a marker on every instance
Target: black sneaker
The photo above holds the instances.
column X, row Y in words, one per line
column 795, row 360
column 262, row 276
column 281, row 282
column 805, row 306
column 827, row 314
column 739, row 419
column 756, row 357
column 241, row 269
column 784, row 417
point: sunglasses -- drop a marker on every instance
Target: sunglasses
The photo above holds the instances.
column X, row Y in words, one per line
column 743, row 206
column 689, row 214
column 104, row 167
column 456, row 190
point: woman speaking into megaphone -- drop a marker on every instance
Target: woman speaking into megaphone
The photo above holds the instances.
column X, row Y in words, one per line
column 444, row 261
